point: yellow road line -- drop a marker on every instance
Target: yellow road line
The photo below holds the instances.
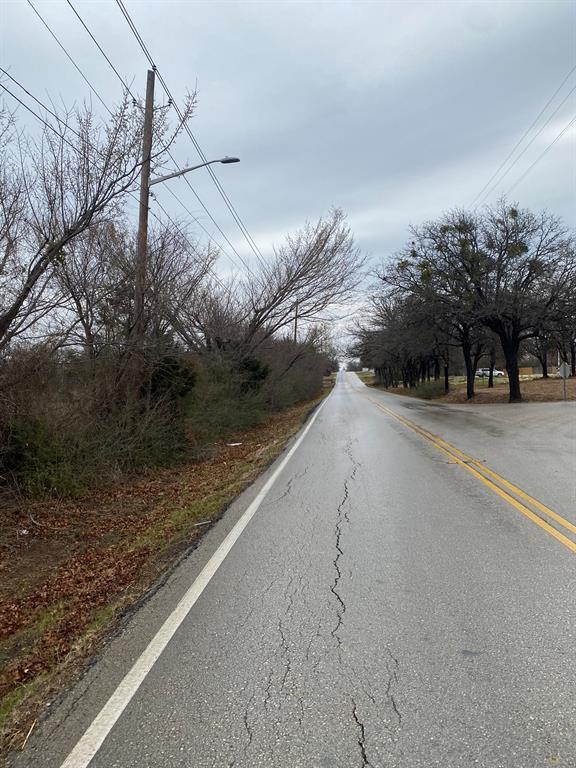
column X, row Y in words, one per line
column 507, row 484
column 466, row 463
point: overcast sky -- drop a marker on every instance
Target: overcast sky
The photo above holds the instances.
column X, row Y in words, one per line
column 393, row 111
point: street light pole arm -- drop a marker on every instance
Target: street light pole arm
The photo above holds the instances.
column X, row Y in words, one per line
column 191, row 168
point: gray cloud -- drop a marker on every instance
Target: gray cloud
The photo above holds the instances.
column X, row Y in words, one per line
column 393, row 111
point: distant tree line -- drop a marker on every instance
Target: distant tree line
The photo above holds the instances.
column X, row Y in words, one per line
column 218, row 353
column 470, row 286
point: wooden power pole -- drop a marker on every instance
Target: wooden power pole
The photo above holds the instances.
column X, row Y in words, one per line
column 142, row 238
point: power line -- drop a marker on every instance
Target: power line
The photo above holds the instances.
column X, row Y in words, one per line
column 37, row 116
column 212, row 219
column 548, row 148
column 97, row 44
column 532, row 140
column 200, row 201
column 197, row 220
column 45, row 23
column 519, row 142
column 40, row 103
column 185, row 236
column 76, row 133
column 215, row 179
column 220, row 188
column 91, row 86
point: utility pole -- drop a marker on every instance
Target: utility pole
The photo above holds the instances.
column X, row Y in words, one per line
column 142, row 238
column 132, row 374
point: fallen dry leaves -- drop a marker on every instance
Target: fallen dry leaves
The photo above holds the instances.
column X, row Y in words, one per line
column 69, row 568
column 534, row 391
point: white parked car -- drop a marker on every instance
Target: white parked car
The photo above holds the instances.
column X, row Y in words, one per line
column 483, row 373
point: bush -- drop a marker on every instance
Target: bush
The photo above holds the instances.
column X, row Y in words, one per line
column 172, row 378
column 35, row 459
column 63, row 457
column 430, row 390
column 220, row 405
column 65, row 425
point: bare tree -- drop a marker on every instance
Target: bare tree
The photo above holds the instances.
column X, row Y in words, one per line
column 89, row 277
column 98, row 278
column 528, row 279
column 506, row 270
column 315, row 269
column 178, row 271
column 53, row 188
column 435, row 270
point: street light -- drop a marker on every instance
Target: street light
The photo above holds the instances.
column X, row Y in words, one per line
column 142, row 238
column 224, row 160
column 137, row 331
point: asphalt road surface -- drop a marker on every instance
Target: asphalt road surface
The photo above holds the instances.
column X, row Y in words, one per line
column 390, row 604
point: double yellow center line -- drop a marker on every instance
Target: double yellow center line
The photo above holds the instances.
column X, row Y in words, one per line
column 498, row 484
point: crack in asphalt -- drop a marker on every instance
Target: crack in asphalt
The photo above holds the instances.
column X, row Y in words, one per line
column 249, row 731
column 342, row 515
column 268, row 690
column 334, row 587
column 289, row 484
column 277, row 680
column 69, row 707
column 362, row 738
column 311, row 641
column 393, row 680
column 285, row 655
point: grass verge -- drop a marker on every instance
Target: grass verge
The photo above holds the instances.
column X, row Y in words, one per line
column 70, row 570
column 533, row 390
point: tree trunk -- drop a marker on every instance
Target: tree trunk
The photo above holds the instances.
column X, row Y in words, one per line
column 467, row 354
column 446, row 380
column 436, row 369
column 544, row 363
column 476, row 357
column 510, row 347
column 573, row 358
column 492, row 366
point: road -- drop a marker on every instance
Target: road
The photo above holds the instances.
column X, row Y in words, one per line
column 385, row 606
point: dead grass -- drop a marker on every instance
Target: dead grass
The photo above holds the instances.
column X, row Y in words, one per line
column 366, row 376
column 70, row 569
column 534, row 390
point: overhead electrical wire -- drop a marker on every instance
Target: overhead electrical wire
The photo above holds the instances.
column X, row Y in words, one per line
column 524, row 135
column 77, row 150
column 217, row 279
column 200, row 201
column 532, row 140
column 37, row 116
column 548, row 148
column 102, row 51
column 215, row 179
column 200, row 224
column 236, row 216
column 67, row 54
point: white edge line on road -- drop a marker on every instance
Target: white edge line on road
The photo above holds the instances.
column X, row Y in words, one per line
column 104, row 721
